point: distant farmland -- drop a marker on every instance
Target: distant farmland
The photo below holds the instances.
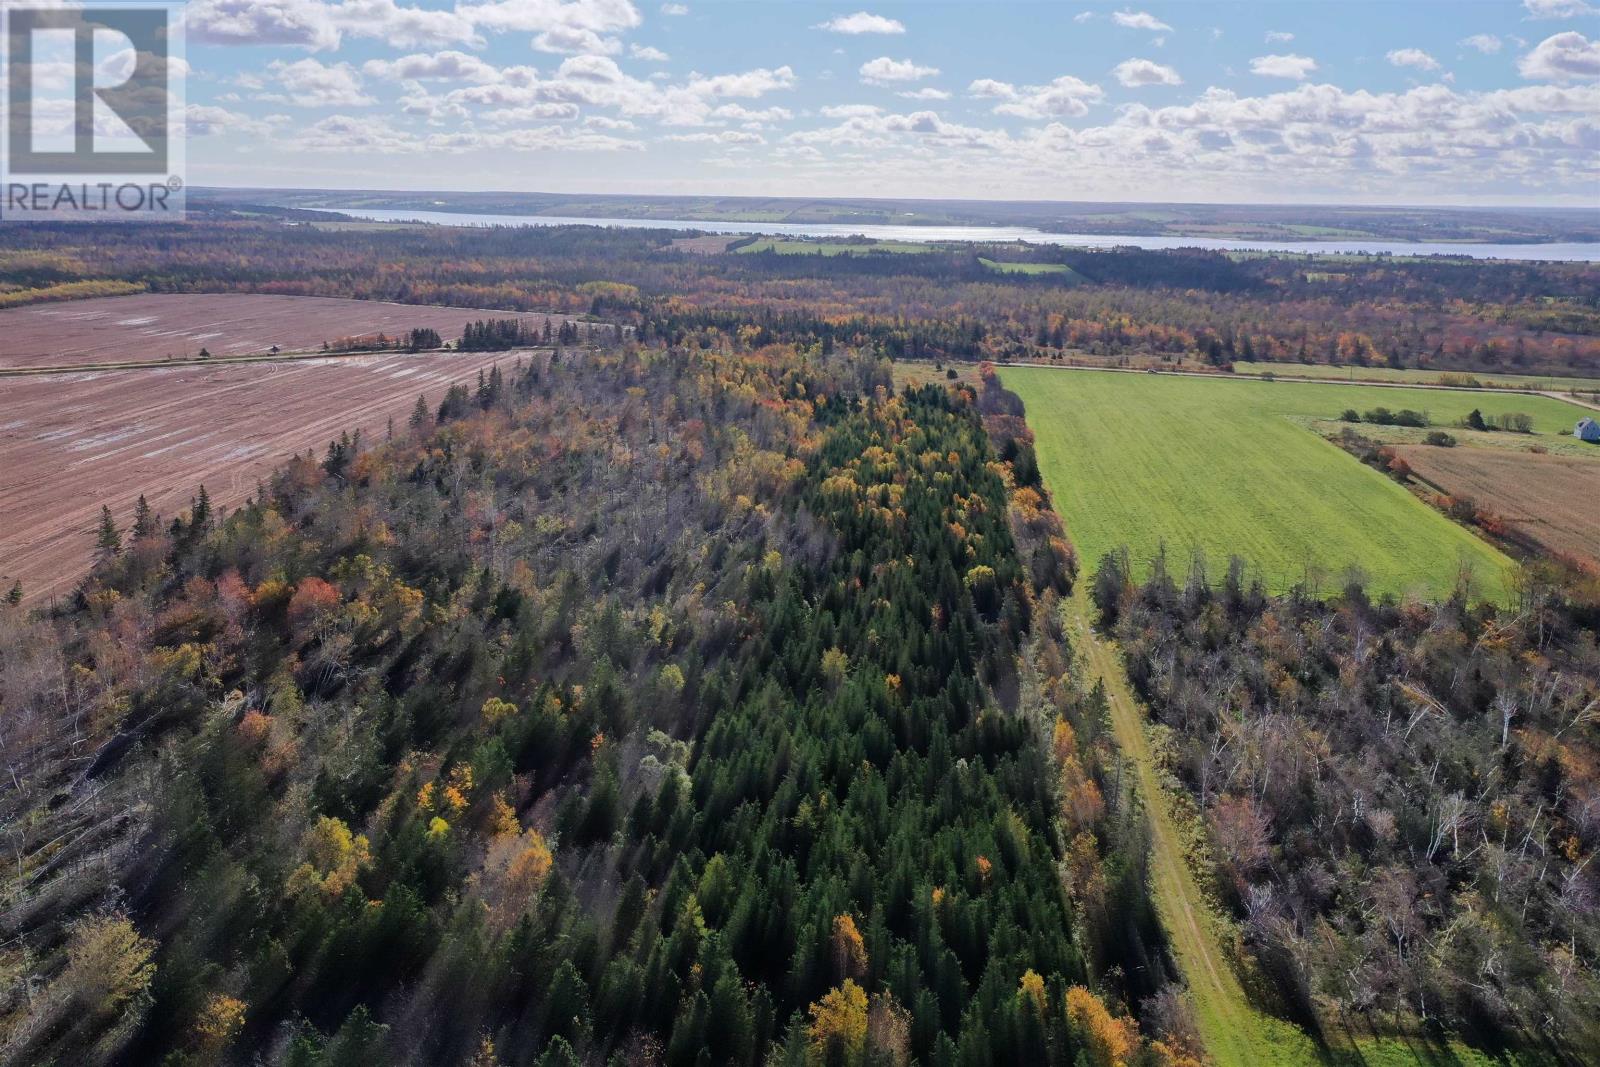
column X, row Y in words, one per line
column 1225, row 467
column 72, row 442
column 157, row 326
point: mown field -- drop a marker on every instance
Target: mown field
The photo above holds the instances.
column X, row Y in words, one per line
column 1228, row 467
column 833, row 248
column 1413, row 376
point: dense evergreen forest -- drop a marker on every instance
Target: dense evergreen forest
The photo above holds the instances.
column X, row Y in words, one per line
column 1437, row 313
column 668, row 706
column 1400, row 802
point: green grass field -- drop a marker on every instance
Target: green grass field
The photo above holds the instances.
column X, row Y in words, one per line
column 1028, row 268
column 1420, row 377
column 1231, row 467
column 833, row 248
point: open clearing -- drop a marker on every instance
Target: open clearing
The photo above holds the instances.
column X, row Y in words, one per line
column 835, row 248
column 1230, row 467
column 74, row 441
column 1002, row 267
column 158, row 326
column 1552, row 500
column 1409, row 375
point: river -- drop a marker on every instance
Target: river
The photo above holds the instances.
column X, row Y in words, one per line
column 1570, row 251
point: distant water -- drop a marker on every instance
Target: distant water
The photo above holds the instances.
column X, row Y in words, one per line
column 1571, row 251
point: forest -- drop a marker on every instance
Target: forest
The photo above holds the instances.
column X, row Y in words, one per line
column 1399, row 803
column 673, row 705
column 1121, row 304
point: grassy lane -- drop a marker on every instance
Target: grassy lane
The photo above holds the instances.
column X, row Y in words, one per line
column 1233, row 1031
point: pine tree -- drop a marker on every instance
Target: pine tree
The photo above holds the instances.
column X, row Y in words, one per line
column 200, row 514
column 109, row 541
column 144, row 520
column 419, row 413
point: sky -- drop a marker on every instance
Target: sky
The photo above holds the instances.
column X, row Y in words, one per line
column 1444, row 102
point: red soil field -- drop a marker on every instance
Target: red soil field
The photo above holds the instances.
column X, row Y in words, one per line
column 158, row 326
column 1552, row 500
column 71, row 442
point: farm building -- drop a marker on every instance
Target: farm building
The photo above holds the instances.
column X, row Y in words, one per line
column 1588, row 430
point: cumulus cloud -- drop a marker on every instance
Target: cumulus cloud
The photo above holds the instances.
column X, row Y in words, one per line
column 861, row 22
column 438, row 66
column 1295, row 67
column 1279, row 37
column 319, row 25
column 306, row 23
column 308, row 83
column 1568, row 56
column 1137, row 72
column 886, row 71
column 927, row 92
column 346, row 133
column 719, row 137
column 1140, row 20
column 648, row 53
column 674, row 9
column 1065, row 97
column 204, row 120
column 1557, row 9
column 1412, row 57
column 1487, row 43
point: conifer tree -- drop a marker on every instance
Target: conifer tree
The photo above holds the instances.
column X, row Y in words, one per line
column 108, row 543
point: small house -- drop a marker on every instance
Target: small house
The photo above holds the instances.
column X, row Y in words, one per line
column 1588, row 430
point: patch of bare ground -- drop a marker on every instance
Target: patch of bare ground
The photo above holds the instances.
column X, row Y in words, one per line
column 159, row 326
column 71, row 442
column 1553, row 501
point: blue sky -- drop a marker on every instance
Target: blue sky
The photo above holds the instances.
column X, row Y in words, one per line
column 1495, row 101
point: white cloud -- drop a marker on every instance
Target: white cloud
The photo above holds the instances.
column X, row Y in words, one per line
column 1295, row 67
column 1568, row 56
column 202, row 120
column 1412, row 57
column 885, row 71
column 674, row 9
column 306, row 23
column 861, row 22
column 1140, row 20
column 648, row 53
column 720, row 137
column 598, row 17
column 751, row 117
column 1487, row 43
column 404, row 27
column 1136, row 72
column 1083, row 16
column 1557, row 9
column 1279, row 37
column 576, row 41
column 1065, row 97
column 439, row 66
column 319, row 24
column 927, row 92
column 346, row 133
column 309, row 83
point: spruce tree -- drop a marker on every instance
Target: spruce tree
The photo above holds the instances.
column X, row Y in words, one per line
column 144, row 521
column 109, row 541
